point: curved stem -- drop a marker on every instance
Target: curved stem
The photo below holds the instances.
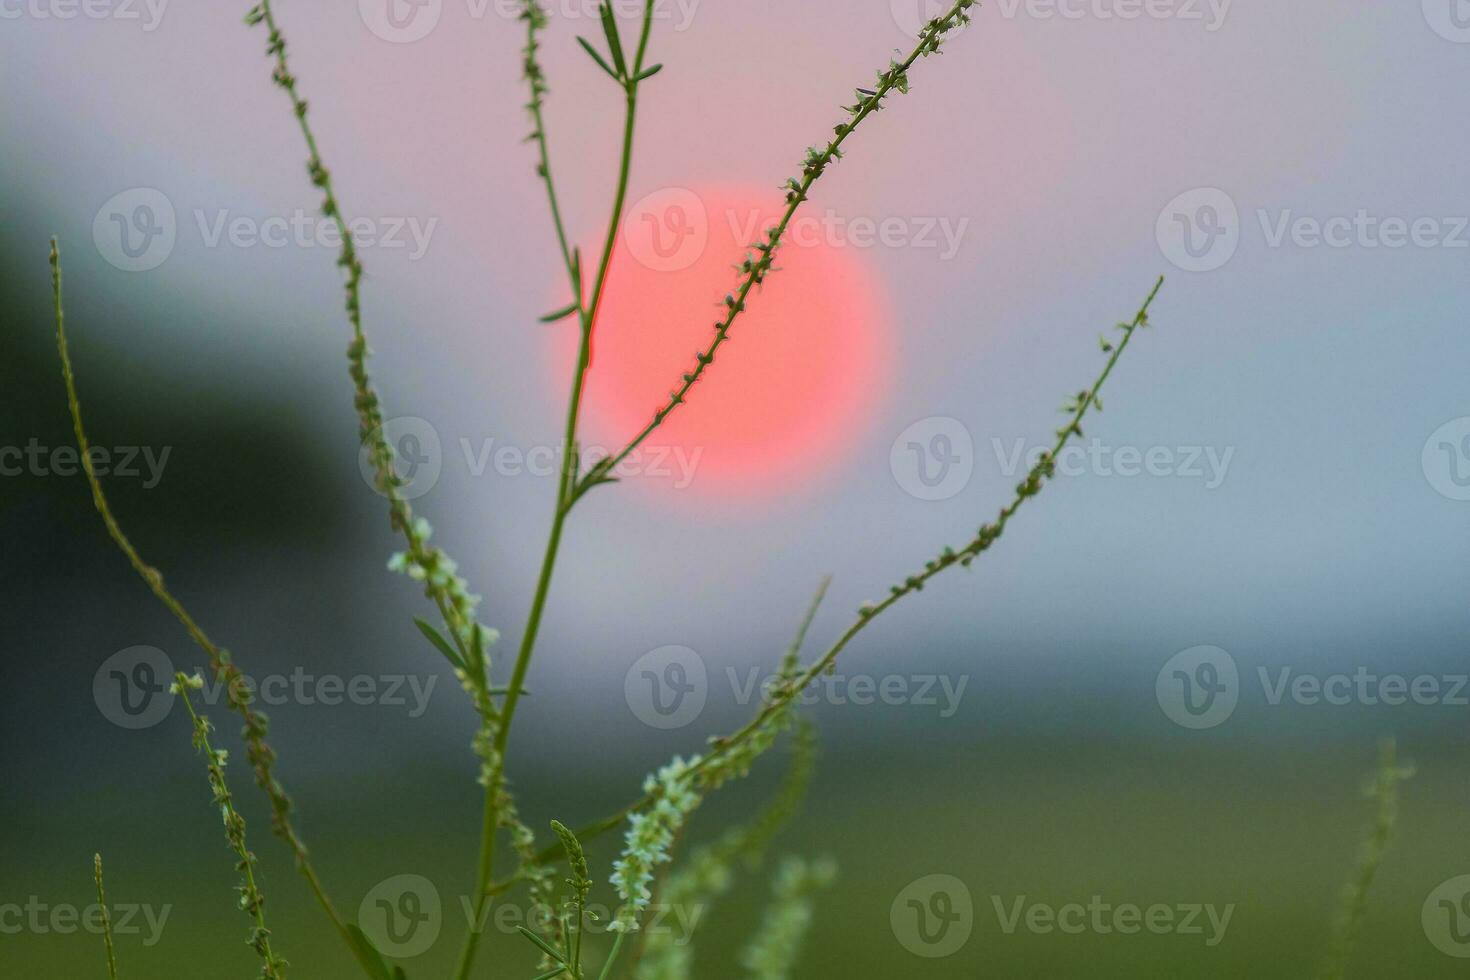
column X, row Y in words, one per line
column 262, row 757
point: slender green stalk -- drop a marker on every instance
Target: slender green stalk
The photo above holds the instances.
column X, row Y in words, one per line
column 1355, row 896
column 756, row 268
column 252, row 902
column 587, row 318
column 612, row 957
column 106, row 917
column 422, row 561
column 988, row 534
column 535, row 19
column 733, row 747
column 573, row 485
column 262, row 757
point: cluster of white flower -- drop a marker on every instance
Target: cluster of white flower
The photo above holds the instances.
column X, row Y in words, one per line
column 650, row 834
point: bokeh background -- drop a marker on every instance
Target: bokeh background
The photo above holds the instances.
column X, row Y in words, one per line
column 1076, row 145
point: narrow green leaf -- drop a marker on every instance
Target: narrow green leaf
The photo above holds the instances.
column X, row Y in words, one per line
column 553, row 973
column 649, row 72
column 614, row 42
column 562, row 313
column 369, row 953
column 441, row 644
column 602, row 63
column 546, row 947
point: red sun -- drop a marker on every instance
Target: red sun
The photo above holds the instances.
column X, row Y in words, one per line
column 791, row 387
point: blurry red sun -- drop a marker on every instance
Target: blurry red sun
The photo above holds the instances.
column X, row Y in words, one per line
column 788, row 391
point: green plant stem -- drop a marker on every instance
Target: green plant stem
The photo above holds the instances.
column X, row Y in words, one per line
column 588, row 310
column 896, row 77
column 262, row 757
column 447, row 592
column 251, row 900
column 572, row 484
column 106, row 917
column 612, row 957
column 1355, row 896
column 783, row 694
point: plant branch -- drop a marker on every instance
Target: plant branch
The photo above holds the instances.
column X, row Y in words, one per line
column 422, row 561
column 782, row 694
column 252, row 902
column 757, row 267
column 106, row 917
column 261, row 756
column 587, row 317
column 1385, row 791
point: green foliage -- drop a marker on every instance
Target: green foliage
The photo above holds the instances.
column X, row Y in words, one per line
column 656, row 822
